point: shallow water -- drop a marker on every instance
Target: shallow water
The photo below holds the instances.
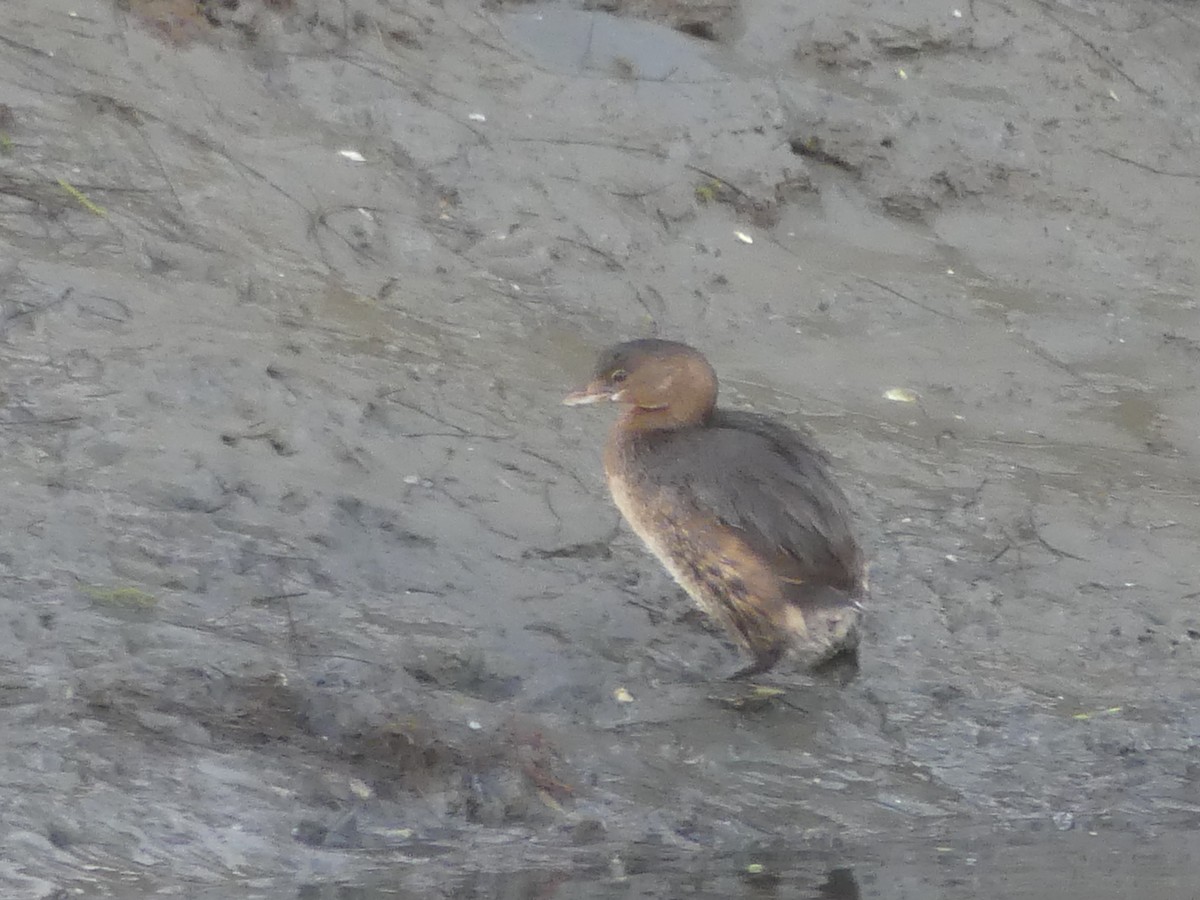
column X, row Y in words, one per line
column 312, row 586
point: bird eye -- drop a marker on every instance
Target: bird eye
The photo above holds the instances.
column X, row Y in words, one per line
column 618, row 376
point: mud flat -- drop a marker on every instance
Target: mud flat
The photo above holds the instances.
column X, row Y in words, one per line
column 310, row 586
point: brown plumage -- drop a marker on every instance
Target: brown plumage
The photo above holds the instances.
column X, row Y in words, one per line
column 740, row 509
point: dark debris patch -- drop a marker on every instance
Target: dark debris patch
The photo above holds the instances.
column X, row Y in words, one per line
column 589, row 550
column 468, row 674
column 707, row 20
column 509, row 773
column 815, row 148
column 186, row 21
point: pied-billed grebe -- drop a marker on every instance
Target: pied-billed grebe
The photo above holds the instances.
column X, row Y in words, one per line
column 740, row 509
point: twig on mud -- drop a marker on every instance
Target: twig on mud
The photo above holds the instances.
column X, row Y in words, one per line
column 162, row 170
column 81, row 198
column 424, row 591
column 1046, row 356
column 271, row 598
column 44, row 423
column 471, row 505
column 135, row 118
column 499, row 46
column 650, row 314
column 613, row 262
column 557, row 466
column 119, row 304
column 729, row 184
column 27, row 48
column 318, row 654
column 1133, row 162
column 419, row 435
column 412, row 86
column 1182, row 18
column 600, row 145
column 392, row 396
column 1050, row 548
column 906, row 298
column 626, row 727
column 655, row 613
column 1056, row 445
column 1053, row 17
column 640, row 195
column 199, row 139
column 801, row 402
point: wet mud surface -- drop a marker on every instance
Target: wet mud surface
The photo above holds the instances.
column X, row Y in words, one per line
column 311, row 587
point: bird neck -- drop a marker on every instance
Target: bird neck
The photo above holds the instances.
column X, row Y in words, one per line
column 681, row 413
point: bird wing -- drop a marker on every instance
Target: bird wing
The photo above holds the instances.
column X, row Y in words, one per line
column 772, row 485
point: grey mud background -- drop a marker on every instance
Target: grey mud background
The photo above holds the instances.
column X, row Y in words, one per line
column 310, row 588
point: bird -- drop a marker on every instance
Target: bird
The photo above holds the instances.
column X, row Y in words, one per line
column 742, row 510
